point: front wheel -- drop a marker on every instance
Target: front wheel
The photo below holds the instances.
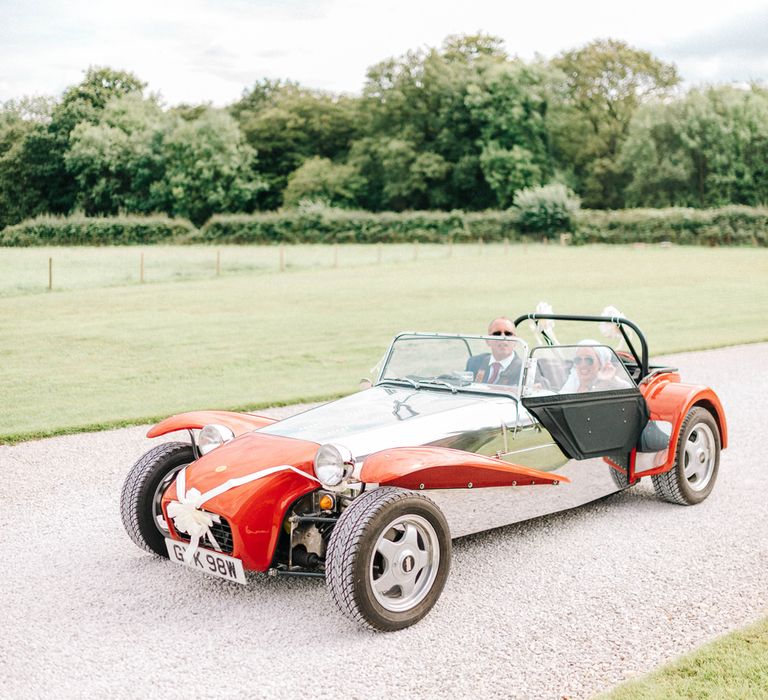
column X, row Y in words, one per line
column 143, row 490
column 388, row 558
column 697, row 461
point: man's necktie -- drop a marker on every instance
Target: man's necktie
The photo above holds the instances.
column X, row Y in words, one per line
column 495, row 367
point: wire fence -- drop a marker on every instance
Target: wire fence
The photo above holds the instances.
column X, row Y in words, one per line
column 38, row 270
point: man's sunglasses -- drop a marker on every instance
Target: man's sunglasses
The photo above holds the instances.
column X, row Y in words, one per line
column 507, row 333
column 586, row 360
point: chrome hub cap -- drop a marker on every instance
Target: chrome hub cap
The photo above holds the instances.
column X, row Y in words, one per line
column 404, row 563
column 157, row 509
column 699, row 457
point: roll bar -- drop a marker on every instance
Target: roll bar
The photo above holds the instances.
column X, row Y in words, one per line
column 641, row 359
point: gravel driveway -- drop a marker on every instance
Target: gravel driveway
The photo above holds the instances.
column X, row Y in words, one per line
column 563, row 606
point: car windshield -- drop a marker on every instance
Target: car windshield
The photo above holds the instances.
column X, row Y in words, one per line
column 456, row 363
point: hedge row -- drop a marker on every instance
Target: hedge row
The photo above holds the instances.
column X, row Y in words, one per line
column 734, row 225
column 727, row 226
column 340, row 226
column 82, row 230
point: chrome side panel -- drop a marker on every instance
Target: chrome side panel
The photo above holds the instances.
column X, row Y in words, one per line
column 386, row 417
column 474, row 510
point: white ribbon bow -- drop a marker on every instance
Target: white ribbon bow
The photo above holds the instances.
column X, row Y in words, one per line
column 190, row 519
column 611, row 330
column 544, row 324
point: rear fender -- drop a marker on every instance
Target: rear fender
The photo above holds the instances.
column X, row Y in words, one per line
column 670, row 400
column 238, row 423
column 444, row 468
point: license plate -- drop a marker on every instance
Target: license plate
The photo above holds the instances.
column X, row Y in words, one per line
column 207, row 561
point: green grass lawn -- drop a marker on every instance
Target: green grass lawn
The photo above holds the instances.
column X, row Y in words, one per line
column 101, row 349
column 733, row 667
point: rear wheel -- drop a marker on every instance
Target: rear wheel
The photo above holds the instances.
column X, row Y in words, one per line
column 620, row 479
column 388, row 558
column 143, row 491
column 697, row 461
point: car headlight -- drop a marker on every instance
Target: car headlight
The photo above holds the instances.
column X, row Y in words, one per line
column 212, row 436
column 333, row 464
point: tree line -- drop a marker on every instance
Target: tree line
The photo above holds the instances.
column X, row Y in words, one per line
column 461, row 126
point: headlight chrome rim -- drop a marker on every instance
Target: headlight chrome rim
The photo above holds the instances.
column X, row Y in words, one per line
column 212, row 436
column 333, row 464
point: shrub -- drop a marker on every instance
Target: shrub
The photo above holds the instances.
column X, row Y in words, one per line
column 83, row 230
column 547, row 210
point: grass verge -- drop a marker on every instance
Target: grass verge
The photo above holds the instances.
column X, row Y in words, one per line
column 732, row 667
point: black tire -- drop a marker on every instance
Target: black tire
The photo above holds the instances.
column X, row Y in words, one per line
column 353, row 559
column 674, row 486
column 138, row 503
column 619, row 478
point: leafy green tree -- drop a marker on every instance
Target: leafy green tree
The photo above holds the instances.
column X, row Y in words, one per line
column 18, row 121
column 509, row 102
column 321, row 180
column 208, row 168
column 35, row 137
column 605, row 81
column 118, row 161
column 286, row 124
column 509, row 170
column 190, row 162
column 422, row 146
column 45, row 150
column 707, row 149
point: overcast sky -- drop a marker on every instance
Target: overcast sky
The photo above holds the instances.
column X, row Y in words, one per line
column 210, row 50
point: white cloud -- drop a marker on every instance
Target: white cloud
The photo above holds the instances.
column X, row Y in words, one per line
column 203, row 50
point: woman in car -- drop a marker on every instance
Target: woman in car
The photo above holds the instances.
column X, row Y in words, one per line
column 593, row 370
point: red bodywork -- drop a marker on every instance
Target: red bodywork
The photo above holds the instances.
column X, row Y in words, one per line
column 670, row 400
column 444, row 468
column 238, row 423
column 255, row 511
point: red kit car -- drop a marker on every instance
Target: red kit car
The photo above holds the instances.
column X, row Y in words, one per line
column 368, row 491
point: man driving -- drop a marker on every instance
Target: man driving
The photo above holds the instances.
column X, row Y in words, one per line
column 501, row 365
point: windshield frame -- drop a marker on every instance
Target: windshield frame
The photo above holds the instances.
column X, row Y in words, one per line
column 380, row 380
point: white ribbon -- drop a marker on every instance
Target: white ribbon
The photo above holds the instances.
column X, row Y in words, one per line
column 544, row 328
column 190, row 519
column 611, row 330
column 544, row 324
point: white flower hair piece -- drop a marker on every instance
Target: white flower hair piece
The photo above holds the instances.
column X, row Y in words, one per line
column 610, row 330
